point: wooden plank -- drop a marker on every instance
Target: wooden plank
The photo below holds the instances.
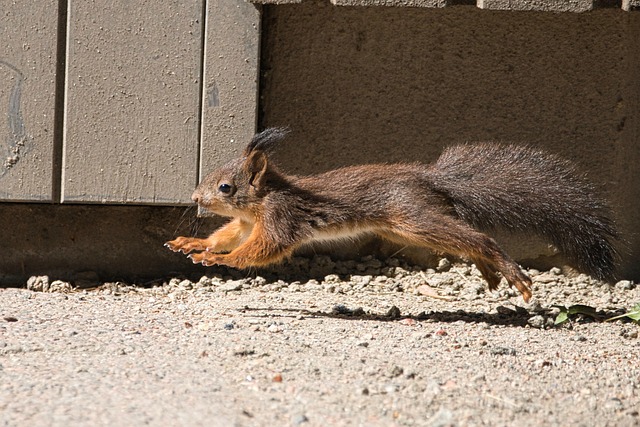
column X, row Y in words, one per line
column 132, row 101
column 27, row 98
column 231, row 71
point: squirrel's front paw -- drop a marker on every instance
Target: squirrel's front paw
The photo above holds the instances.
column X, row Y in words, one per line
column 186, row 245
column 204, row 258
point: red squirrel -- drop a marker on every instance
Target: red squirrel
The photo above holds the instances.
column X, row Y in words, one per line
column 444, row 207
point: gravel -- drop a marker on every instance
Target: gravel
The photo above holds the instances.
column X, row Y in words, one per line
column 316, row 343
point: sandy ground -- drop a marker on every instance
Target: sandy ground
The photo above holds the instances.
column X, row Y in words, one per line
column 376, row 348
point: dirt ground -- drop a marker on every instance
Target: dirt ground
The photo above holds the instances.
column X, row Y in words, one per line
column 365, row 343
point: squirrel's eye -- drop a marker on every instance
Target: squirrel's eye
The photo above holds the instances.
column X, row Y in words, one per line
column 224, row 188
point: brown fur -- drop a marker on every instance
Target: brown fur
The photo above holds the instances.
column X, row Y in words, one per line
column 441, row 207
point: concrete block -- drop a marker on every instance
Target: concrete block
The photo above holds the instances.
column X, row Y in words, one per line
column 27, row 99
column 538, row 5
column 392, row 3
column 275, row 1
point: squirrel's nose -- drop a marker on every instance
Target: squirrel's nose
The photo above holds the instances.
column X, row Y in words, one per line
column 195, row 197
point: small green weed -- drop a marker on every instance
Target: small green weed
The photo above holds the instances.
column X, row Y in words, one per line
column 585, row 310
column 566, row 312
column 633, row 314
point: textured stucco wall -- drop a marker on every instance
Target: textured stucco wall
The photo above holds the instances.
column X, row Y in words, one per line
column 375, row 84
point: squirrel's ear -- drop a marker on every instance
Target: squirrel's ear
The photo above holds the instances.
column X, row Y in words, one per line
column 266, row 140
column 256, row 165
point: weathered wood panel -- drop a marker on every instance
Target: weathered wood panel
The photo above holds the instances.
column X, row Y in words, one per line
column 231, row 80
column 132, row 101
column 27, row 97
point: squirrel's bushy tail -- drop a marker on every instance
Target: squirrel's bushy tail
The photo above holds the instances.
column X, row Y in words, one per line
column 523, row 189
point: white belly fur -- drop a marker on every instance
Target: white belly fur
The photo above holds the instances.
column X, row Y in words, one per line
column 336, row 234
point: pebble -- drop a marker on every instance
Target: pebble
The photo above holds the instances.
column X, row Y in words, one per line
column 232, row 285
column 443, row 265
column 185, row 284
column 332, row 278
column 537, row 322
column 503, row 351
column 364, row 391
column 394, row 312
column 60, row 286
column 275, row 328
column 625, row 285
column 38, row 283
column 396, row 371
column 205, row 281
column 299, row 419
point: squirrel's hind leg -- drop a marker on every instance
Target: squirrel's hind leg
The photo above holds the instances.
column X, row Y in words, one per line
column 489, row 274
column 453, row 236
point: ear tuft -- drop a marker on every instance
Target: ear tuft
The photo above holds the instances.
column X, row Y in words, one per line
column 266, row 140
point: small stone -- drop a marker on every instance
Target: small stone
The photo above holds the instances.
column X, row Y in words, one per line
column 299, row 419
column 443, row 265
column 259, row 281
column 540, row 363
column 205, row 281
column 332, row 278
column 545, row 278
column 60, row 286
column 396, row 371
column 243, row 352
column 503, row 351
column 274, row 328
column 38, row 283
column 231, row 285
column 538, row 322
column 186, row 285
column 614, row 403
column 625, row 285
column 394, row 312
column 391, row 388
column 408, row 322
column 312, row 282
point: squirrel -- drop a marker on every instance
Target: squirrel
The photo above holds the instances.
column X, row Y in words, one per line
column 446, row 206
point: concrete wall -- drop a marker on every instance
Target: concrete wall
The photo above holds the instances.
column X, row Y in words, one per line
column 370, row 84
column 376, row 84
